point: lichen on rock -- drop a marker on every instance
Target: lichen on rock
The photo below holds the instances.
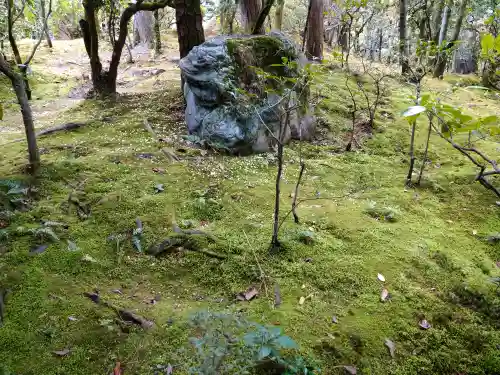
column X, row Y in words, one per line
column 233, row 87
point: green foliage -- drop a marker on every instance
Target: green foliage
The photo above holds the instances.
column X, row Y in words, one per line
column 229, row 344
column 13, row 195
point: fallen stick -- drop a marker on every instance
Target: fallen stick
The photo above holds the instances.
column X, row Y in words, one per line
column 124, row 315
column 69, row 126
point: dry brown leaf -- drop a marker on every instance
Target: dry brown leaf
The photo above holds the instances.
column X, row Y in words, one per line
column 62, row 353
column 117, row 370
column 248, row 294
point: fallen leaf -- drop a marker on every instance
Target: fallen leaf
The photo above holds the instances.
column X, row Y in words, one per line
column 384, row 295
column 159, row 188
column 277, row 295
column 62, row 353
column 302, row 300
column 93, row 296
column 38, row 249
column 391, row 346
column 170, row 369
column 72, row 318
column 117, row 291
column 474, row 232
column 424, row 324
column 498, row 264
column 72, row 246
column 117, row 370
column 89, row 259
column 381, row 277
column 159, row 170
column 350, row 370
column 335, row 319
column 248, row 294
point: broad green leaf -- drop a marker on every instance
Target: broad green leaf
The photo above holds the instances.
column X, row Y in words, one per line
column 414, row 111
column 264, row 352
column 286, row 342
column 487, row 43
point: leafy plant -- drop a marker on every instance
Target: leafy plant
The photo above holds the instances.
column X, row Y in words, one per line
column 227, row 343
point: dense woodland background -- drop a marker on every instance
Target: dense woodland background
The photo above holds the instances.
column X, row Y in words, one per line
column 128, row 246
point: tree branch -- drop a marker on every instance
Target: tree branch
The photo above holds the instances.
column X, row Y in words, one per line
column 35, row 47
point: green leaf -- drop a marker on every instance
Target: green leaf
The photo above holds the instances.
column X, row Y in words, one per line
column 264, row 352
column 286, row 342
column 414, row 111
column 249, row 339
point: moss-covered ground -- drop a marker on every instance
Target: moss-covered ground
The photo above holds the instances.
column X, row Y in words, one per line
column 434, row 258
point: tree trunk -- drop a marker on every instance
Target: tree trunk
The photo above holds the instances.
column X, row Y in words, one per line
column 314, row 31
column 29, row 127
column 143, row 23
column 10, row 31
column 189, row 25
column 264, row 13
column 250, row 10
column 442, row 57
column 45, row 26
column 278, row 15
column 157, row 32
column 380, row 44
column 403, row 50
column 437, row 18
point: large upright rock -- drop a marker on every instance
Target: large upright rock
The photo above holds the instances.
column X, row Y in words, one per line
column 232, row 106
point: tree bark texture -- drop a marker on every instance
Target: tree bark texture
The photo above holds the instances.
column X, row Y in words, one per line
column 403, row 50
column 250, row 10
column 442, row 57
column 45, row 25
column 29, row 127
column 314, row 31
column 437, row 18
column 278, row 15
column 189, row 25
column 264, row 13
column 143, row 23
column 157, row 32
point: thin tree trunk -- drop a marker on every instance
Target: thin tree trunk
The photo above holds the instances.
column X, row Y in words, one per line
column 45, row 26
column 437, row 18
column 380, row 43
column 157, row 32
column 278, row 15
column 422, row 167
column 442, row 57
column 314, row 32
column 411, row 153
column 29, row 127
column 10, row 26
column 403, row 50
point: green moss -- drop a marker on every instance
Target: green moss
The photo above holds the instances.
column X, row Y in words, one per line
column 434, row 268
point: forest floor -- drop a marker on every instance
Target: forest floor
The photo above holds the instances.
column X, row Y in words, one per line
column 433, row 255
